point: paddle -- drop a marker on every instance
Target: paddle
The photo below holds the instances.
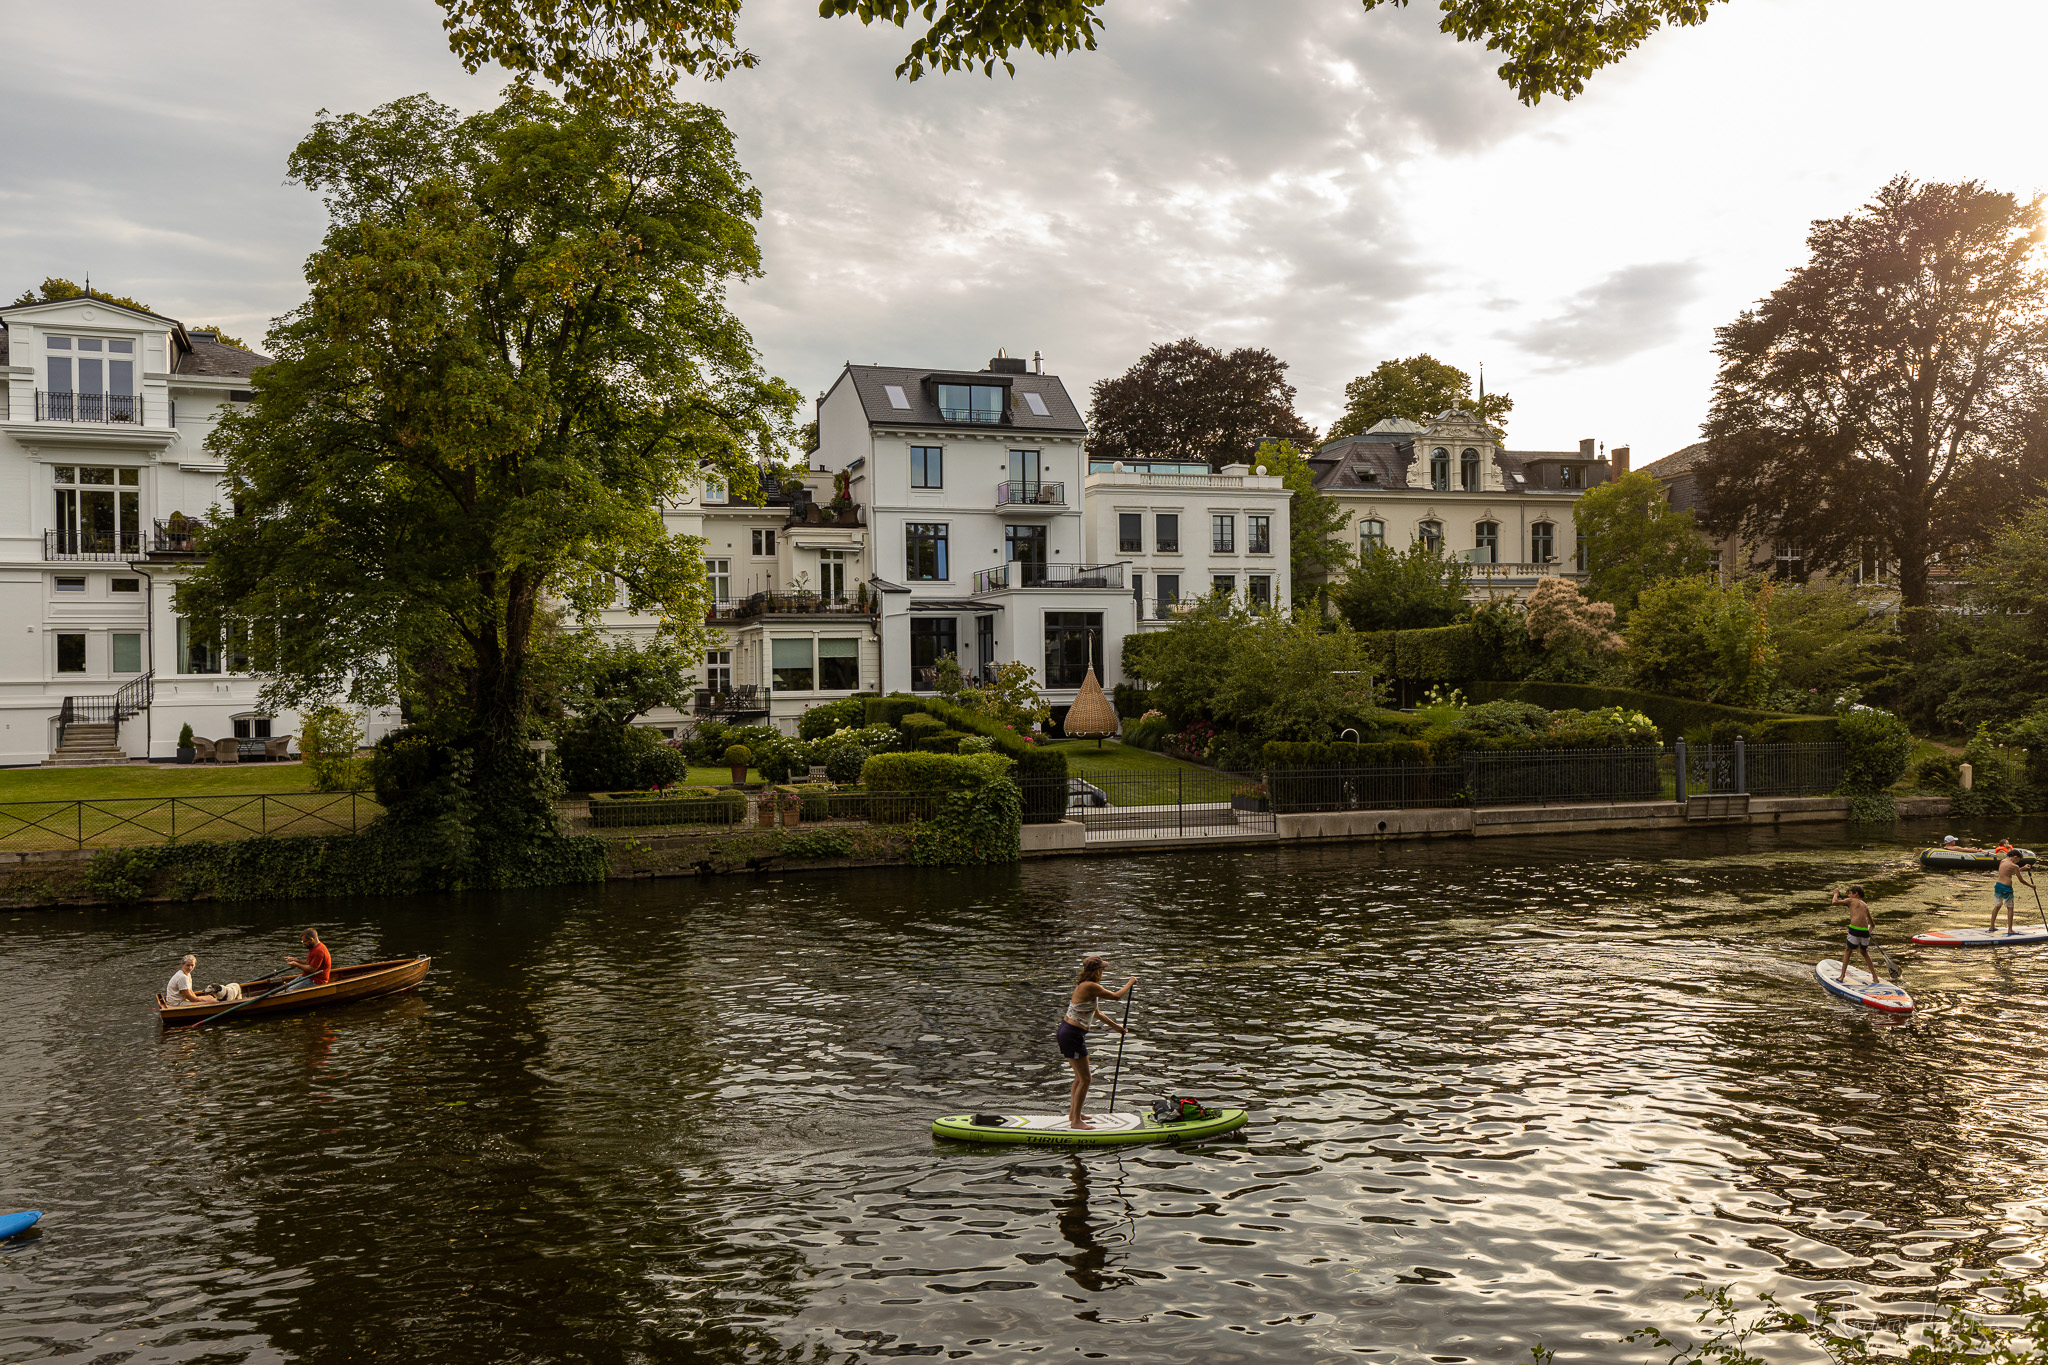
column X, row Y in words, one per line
column 2037, row 902
column 251, row 999
column 1118, row 1074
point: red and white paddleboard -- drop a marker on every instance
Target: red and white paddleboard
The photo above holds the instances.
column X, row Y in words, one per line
column 1980, row 938
column 1879, row 995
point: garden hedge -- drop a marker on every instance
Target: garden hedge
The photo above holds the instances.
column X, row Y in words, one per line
column 1280, row 754
column 681, row 806
column 1041, row 772
column 1674, row 716
column 1431, row 654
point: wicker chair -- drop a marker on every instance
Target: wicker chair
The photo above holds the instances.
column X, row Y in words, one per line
column 202, row 750
column 227, row 750
column 277, row 747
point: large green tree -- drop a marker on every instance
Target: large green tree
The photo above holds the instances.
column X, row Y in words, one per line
column 1186, row 401
column 1262, row 675
column 515, row 344
column 631, row 48
column 1886, row 400
column 1416, row 389
column 1634, row 537
column 1692, row 637
column 1411, row 589
column 2001, row 667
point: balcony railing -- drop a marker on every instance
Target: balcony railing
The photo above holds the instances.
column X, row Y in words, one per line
column 178, row 539
column 1031, row 493
column 787, row 604
column 79, row 543
column 730, row 701
column 1019, row 574
column 123, row 408
column 971, row 415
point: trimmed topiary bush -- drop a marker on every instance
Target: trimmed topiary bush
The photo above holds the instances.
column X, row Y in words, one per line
column 821, row 721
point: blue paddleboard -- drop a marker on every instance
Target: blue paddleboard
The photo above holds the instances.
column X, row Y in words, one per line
column 13, row 1223
column 1879, row 995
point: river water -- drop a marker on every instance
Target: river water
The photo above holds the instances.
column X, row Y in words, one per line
column 1502, row 1092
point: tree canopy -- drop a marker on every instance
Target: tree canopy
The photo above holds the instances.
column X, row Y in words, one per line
column 515, row 345
column 1888, row 398
column 1691, row 637
column 1416, row 389
column 55, row 287
column 1634, row 537
column 635, row 48
column 1315, row 520
column 1189, row 402
column 1409, row 589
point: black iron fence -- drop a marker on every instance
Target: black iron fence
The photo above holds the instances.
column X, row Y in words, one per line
column 1541, row 777
column 1308, row 790
column 80, row 542
column 1024, row 574
column 37, row 826
column 1030, row 492
column 1758, row 769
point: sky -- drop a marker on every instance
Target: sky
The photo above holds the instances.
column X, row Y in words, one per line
column 1337, row 186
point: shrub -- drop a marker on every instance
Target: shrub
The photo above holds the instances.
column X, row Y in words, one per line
column 1431, row 654
column 739, row 756
column 679, row 806
column 781, row 757
column 923, row 772
column 944, row 742
column 821, row 721
column 842, row 755
column 602, row 755
column 1674, row 716
column 408, row 761
column 1147, row 731
column 1506, row 719
column 1040, row 771
column 713, row 738
column 975, row 744
column 185, row 738
column 1279, row 754
column 1938, row 773
column 1879, row 747
column 892, row 708
column 327, row 741
column 917, row 726
column 1130, row 700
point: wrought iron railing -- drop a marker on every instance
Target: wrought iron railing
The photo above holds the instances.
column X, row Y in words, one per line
column 123, row 408
column 110, row 708
column 982, row 415
column 178, row 536
column 1020, row 574
column 788, row 604
column 78, row 542
column 730, row 701
column 1030, row 493
column 1761, row 769
column 1540, row 777
column 28, row 826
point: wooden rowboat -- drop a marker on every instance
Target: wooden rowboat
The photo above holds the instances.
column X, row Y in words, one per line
column 360, row 982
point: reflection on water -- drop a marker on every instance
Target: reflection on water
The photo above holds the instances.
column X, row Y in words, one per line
column 1499, row 1091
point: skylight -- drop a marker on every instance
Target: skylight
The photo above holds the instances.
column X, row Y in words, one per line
column 1037, row 404
column 897, row 398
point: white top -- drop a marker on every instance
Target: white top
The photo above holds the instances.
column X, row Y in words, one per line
column 180, row 982
column 1081, row 1016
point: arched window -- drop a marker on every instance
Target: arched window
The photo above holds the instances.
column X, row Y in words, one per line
column 1440, row 469
column 1372, row 534
column 1431, row 533
column 1486, row 543
column 1468, row 469
column 1542, row 542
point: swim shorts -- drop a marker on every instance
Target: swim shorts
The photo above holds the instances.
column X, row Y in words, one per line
column 1073, row 1041
column 1858, row 938
column 2001, row 891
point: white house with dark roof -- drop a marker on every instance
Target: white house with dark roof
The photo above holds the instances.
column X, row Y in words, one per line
column 972, row 482
column 1449, row 481
column 104, row 414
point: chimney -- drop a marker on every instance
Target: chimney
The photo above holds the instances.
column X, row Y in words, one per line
column 1037, row 363
column 1586, row 448
column 1003, row 364
column 1620, row 457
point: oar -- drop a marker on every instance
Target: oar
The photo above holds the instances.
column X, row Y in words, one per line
column 251, row 999
column 1118, row 1074
column 2037, row 901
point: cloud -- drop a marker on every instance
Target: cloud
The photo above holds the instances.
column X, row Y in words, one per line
column 1633, row 309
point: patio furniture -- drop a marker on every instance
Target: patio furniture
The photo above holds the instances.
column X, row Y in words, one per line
column 227, row 750
column 277, row 747
column 202, row 750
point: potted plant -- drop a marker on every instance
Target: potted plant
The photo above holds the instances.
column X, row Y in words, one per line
column 1250, row 796
column 739, row 758
column 789, row 803
column 185, row 751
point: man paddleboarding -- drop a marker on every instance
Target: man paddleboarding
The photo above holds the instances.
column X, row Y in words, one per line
column 1861, row 925
column 1084, row 1007
column 2009, row 867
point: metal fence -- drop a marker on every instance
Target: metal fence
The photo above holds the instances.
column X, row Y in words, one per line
column 729, row 809
column 1400, row 787
column 1183, row 804
column 38, row 826
column 1760, row 769
column 1541, row 777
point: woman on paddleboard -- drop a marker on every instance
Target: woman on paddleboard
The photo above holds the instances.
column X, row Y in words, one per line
column 1084, row 1007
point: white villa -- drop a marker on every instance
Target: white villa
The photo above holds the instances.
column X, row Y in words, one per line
column 103, row 423
column 1506, row 512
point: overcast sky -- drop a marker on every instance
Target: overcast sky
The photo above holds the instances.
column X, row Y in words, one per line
column 1337, row 186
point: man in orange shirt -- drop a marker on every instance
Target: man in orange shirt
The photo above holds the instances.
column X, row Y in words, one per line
column 318, row 965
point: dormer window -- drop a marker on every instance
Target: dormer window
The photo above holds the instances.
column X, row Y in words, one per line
column 971, row 402
column 1365, row 473
column 90, row 379
column 1569, row 476
column 1440, row 469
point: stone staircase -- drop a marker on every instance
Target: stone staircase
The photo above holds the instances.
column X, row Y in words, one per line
column 87, row 745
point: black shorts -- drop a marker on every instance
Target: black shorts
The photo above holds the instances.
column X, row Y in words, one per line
column 1073, row 1041
column 1858, row 938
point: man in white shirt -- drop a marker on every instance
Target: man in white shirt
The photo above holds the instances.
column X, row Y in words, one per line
column 179, row 989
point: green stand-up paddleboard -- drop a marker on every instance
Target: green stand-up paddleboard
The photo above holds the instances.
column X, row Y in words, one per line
column 1108, row 1130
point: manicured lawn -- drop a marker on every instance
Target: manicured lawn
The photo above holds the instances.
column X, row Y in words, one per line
column 1114, row 759
column 155, row 779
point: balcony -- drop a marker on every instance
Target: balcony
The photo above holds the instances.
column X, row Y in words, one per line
column 178, row 539
column 787, row 604
column 1019, row 493
column 982, row 415
column 115, row 547
column 1022, row 575
column 823, row 514
column 730, row 701
column 124, row 409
